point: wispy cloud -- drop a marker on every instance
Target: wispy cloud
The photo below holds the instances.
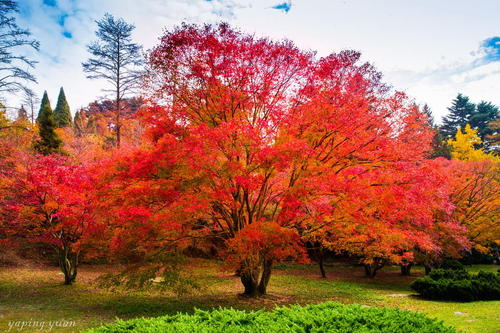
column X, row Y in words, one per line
column 65, row 27
column 433, row 70
column 483, row 63
column 490, row 48
column 473, row 76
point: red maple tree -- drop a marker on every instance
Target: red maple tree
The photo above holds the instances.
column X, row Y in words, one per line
column 49, row 201
column 255, row 142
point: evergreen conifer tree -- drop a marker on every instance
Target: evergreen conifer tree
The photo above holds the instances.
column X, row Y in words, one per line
column 49, row 142
column 62, row 114
column 45, row 105
column 486, row 112
column 461, row 111
column 118, row 60
column 440, row 147
column 79, row 123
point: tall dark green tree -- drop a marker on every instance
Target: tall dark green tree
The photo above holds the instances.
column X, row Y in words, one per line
column 478, row 116
column 79, row 123
column 116, row 59
column 62, row 114
column 486, row 113
column 460, row 113
column 439, row 146
column 49, row 142
column 430, row 118
column 44, row 105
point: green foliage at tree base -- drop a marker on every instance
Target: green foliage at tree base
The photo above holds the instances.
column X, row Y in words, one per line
column 458, row 285
column 452, row 264
column 325, row 317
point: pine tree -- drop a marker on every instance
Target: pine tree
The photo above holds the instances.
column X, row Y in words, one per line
column 79, row 123
column 440, row 147
column 461, row 111
column 62, row 114
column 485, row 113
column 116, row 59
column 430, row 118
column 49, row 141
column 45, row 105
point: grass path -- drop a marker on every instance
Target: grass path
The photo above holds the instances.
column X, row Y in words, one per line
column 36, row 294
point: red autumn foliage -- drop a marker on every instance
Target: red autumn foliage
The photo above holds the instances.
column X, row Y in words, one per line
column 257, row 138
column 50, row 202
column 475, row 197
column 251, row 148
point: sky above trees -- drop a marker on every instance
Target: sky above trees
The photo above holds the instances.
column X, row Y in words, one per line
column 431, row 50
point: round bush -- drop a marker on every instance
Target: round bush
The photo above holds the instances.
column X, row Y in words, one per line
column 453, row 274
column 325, row 317
column 458, row 285
column 452, row 264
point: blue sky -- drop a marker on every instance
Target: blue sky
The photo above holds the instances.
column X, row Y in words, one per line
column 430, row 49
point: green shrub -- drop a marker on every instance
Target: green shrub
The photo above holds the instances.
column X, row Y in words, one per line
column 325, row 317
column 452, row 274
column 458, row 285
column 452, row 264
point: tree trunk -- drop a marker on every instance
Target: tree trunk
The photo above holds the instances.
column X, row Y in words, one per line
column 118, row 120
column 321, row 259
column 405, row 269
column 68, row 262
column 266, row 276
column 371, row 269
column 250, row 282
column 255, row 281
column 428, row 269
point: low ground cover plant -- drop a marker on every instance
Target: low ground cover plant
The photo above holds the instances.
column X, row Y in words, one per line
column 324, row 317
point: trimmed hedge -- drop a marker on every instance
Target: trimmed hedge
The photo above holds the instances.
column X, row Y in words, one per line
column 325, row 317
column 452, row 264
column 458, row 285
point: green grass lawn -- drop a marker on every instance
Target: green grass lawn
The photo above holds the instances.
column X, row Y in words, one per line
column 36, row 295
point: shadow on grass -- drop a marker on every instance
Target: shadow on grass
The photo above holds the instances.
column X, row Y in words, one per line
column 38, row 293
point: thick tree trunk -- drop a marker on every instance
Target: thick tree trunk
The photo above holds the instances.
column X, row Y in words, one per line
column 250, row 282
column 255, row 282
column 68, row 262
column 371, row 269
column 266, row 276
column 428, row 269
column 406, row 269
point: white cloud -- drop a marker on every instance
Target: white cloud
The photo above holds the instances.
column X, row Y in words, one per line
column 427, row 48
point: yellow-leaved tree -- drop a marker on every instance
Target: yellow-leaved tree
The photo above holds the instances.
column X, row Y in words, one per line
column 463, row 146
column 476, row 194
